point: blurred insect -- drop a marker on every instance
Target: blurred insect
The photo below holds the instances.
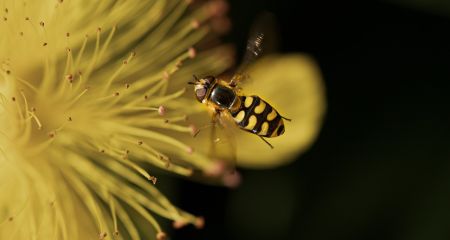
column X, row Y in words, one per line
column 231, row 108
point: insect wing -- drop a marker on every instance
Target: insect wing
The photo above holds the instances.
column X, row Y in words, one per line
column 253, row 51
column 263, row 39
column 223, row 139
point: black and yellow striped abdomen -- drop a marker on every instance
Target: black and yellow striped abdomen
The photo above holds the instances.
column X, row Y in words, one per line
column 257, row 116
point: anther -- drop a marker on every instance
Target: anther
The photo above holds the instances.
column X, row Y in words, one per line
column 70, row 119
column 140, row 142
column 195, row 24
column 166, row 120
column 165, row 159
column 69, row 77
column 194, row 130
column 6, row 10
column 21, row 33
column 8, row 72
column 161, row 110
column 199, row 222
column 27, row 18
column 102, row 236
column 116, row 94
column 216, row 169
column 153, row 179
column 192, row 52
column 165, row 75
column 10, row 219
column 99, row 29
column 41, row 23
column 5, row 19
column 231, row 179
column 221, row 25
column 116, row 233
column 161, row 236
column 145, row 97
column 51, row 135
column 125, row 62
column 44, row 44
column 68, row 50
column 179, row 224
column 218, row 8
column 33, row 109
column 13, row 99
column 67, row 34
column 189, row 150
column 127, row 85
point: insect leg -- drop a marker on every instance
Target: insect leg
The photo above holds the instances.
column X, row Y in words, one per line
column 202, row 128
column 287, row 119
column 270, row 145
column 213, row 135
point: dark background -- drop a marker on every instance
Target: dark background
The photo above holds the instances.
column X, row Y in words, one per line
column 380, row 168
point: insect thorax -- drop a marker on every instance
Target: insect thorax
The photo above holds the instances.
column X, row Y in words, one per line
column 223, row 97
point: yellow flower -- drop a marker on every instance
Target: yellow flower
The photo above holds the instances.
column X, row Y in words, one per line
column 88, row 110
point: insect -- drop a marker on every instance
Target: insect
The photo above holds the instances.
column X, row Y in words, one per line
column 230, row 107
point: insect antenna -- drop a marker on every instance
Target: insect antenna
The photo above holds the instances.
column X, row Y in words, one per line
column 191, row 83
column 195, row 77
column 268, row 143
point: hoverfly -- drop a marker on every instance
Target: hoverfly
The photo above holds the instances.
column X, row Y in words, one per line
column 229, row 107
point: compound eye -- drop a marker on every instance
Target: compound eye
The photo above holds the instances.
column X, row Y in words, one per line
column 200, row 94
